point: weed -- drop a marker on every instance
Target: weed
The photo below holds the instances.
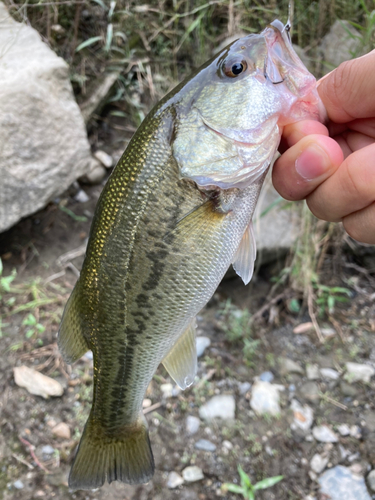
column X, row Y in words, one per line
column 5, row 281
column 246, row 488
column 34, row 326
column 328, row 296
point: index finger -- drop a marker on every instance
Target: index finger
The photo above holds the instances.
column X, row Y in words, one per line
column 348, row 91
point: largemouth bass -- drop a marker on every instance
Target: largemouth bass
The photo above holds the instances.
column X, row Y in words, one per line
column 175, row 213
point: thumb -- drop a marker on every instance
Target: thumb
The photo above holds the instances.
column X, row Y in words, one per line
column 348, row 92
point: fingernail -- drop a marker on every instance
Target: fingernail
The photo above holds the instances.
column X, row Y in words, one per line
column 312, row 162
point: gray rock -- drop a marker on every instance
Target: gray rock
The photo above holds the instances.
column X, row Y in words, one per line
column 44, row 145
column 174, row 480
column 347, row 389
column 329, row 373
column 192, row 474
column 266, row 377
column 318, row 463
column 202, row 344
column 277, row 230
column 303, row 416
column 371, row 480
column 310, row 392
column 324, row 434
column 344, row 430
column 313, row 372
column 223, row 407
column 192, row 425
column 265, row 398
column 343, row 42
column 18, row 484
column 105, row 159
column 356, row 372
column 244, row 387
column 339, row 483
column 81, row 196
column 205, row 445
column 289, row 366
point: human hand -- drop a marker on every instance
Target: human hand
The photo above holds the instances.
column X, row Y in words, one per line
column 333, row 166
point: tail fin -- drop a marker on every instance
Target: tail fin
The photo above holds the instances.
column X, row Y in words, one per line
column 71, row 341
column 127, row 457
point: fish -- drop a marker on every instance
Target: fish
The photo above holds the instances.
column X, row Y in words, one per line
column 174, row 215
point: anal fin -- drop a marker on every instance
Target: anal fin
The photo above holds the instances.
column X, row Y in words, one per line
column 71, row 341
column 244, row 258
column 181, row 361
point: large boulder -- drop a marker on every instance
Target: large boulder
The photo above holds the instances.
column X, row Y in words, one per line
column 43, row 140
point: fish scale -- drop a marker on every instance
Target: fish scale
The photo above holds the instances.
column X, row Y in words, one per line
column 175, row 213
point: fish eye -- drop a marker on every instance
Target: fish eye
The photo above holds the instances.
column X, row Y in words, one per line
column 233, row 69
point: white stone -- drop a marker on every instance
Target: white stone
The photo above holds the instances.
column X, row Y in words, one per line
column 192, row 425
column 95, row 175
column 202, row 344
column 355, row 431
column 318, row 463
column 303, row 416
column 104, row 158
column 265, row 398
column 222, row 406
column 81, row 196
column 324, row 434
column 167, row 390
column 174, row 480
column 356, row 372
column 44, row 145
column 192, row 474
column 313, row 372
column 344, row 429
column 37, row 383
column 339, row 483
column 371, row 480
column 329, row 373
column 228, row 445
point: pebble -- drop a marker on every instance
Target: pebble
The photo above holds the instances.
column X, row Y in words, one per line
column 329, row 373
column 355, row 432
column 18, row 484
column 313, row 372
column 339, row 483
column 328, row 332
column 169, row 390
column 371, row 480
column 265, row 398
column 81, row 196
column 36, row 383
column 303, row 328
column 347, row 389
column 192, row 425
column 192, row 474
column 289, row 366
column 266, row 377
column 96, row 175
column 244, row 387
column 356, row 372
column 303, row 416
column 174, row 480
column 61, row 430
column 310, row 392
column 223, row 406
column 146, row 403
column 202, row 344
column 227, row 444
column 205, row 445
column 104, row 158
column 318, row 463
column 344, row 430
column 324, row 434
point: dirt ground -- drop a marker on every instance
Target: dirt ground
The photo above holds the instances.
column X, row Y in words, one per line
column 41, row 249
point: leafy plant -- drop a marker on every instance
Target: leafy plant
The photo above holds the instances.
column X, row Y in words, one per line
column 5, row 281
column 246, row 488
column 328, row 296
column 34, row 326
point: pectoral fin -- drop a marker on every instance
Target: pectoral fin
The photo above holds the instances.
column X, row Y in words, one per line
column 244, row 258
column 181, row 361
